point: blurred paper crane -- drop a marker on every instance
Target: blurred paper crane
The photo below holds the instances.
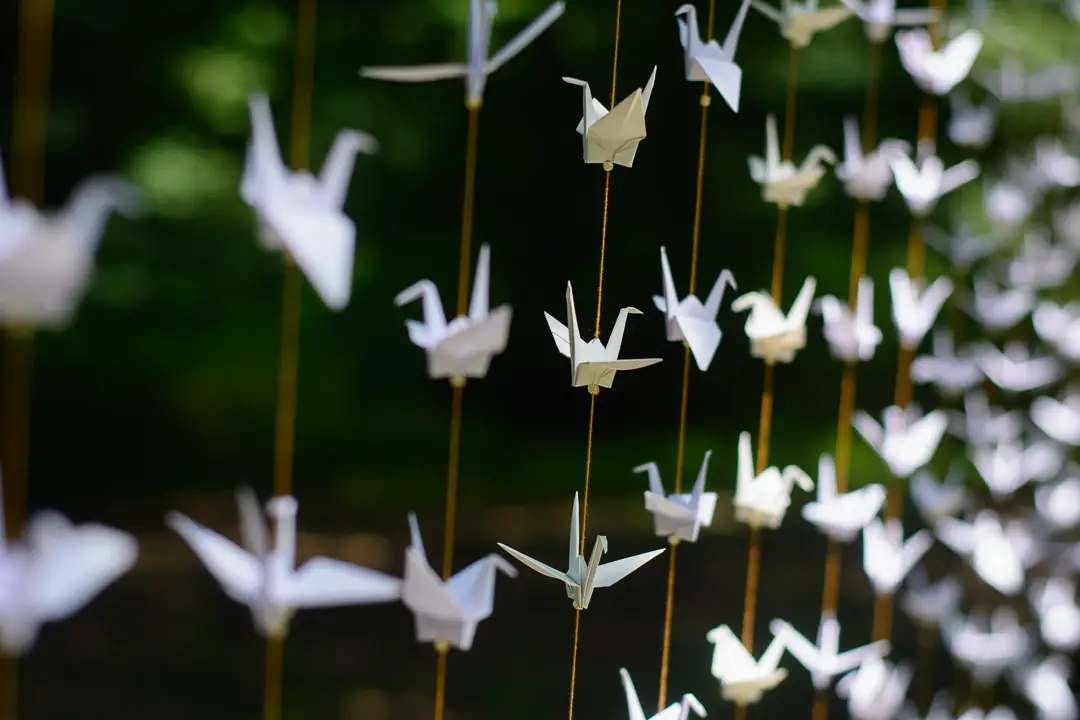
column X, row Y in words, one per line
column 464, row 347
column 824, row 660
column 689, row 319
column 1000, row 555
column 924, row 184
column 1009, row 465
column 1054, row 602
column 1041, row 264
column 986, row 650
column 939, row 500
column 875, row 690
column 300, row 213
column 265, row 578
column 709, row 61
column 1045, row 684
column 962, row 247
column 1016, row 369
column 914, row 309
column 950, row 371
column 998, row 309
column 1059, row 326
column 938, row 71
column 448, row 611
column 867, row 177
column 928, row 605
column 800, row 20
column 971, row 126
column 676, row 711
column 1011, row 83
column 762, row 499
column 781, row 182
column 776, row 337
column 841, row 516
column 881, row 16
column 887, row 557
column 851, row 336
column 47, row 260
column 980, row 424
column 743, row 680
column 480, row 62
column 581, row 577
column 905, row 441
column 1058, row 503
column 679, row 516
column 612, row 137
column 592, row 364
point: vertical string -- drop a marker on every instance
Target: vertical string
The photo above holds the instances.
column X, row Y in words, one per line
column 669, row 603
column 830, row 595
column 29, row 130
column 916, row 264
column 592, row 397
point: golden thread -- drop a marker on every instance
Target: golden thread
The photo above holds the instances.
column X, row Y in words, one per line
column 275, row 665
column 669, row 609
column 588, row 472
column 457, row 393
column 440, row 685
column 467, row 204
column 603, row 248
column 573, row 662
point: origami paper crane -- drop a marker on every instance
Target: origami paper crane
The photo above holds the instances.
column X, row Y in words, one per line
column 762, row 499
column 914, row 309
column 952, row 372
column 971, row 126
column 987, row 650
column 781, row 182
column 800, row 21
column 880, row 17
column 743, row 680
column 1054, row 602
column 851, row 336
column 938, row 71
column 924, row 184
column 842, row 516
column 999, row 554
column 675, row 711
column 867, row 176
column 887, row 557
column 679, row 516
column 928, row 605
column 775, row 337
column 824, row 659
column 875, row 690
column 906, row 442
column 612, row 137
column 709, row 61
column 689, row 319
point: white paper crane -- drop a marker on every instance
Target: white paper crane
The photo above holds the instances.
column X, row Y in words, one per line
column 987, row 650
column 914, row 309
column 1041, row 263
column 743, row 680
column 1054, row 602
column 999, row 554
column 1016, row 369
column 998, row 309
column 448, row 611
column 480, row 62
column 676, row 711
column 824, row 659
column 781, row 182
column 265, row 578
column 47, row 259
column 981, row 424
column 581, row 577
column 939, row 500
column 1045, row 684
column 1008, row 204
column 593, row 364
column 1009, row 465
column 924, row 184
column 938, row 71
column 867, row 177
column 799, row 20
column 841, row 516
column 851, row 336
column 679, row 516
column 299, row 213
column 950, row 371
column 887, row 557
column 929, row 604
column 971, row 126
column 1059, row 419
column 53, row 572
column 611, row 137
column 1059, row 326
column 880, row 17
column 709, row 61
column 464, row 347
column 774, row 336
column 962, row 247
column 905, row 441
column 1058, row 503
column 876, row 690
column 1010, row 82
column 762, row 499
column 689, row 319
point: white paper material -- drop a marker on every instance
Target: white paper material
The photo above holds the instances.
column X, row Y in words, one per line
column 1045, row 684
column 841, row 516
column 679, row 516
column 928, row 605
column 998, row 309
column 922, row 185
column 299, row 213
column 980, row 424
column 582, row 577
column 265, row 578
column 1016, row 369
column 824, row 659
column 1059, row 326
column 1054, row 602
column 1059, row 419
column 464, row 347
column 761, row 500
column 999, row 554
column 880, row 17
column 1040, row 263
column 876, row 690
column 709, row 61
column 691, row 320
column 781, row 181
column 1058, row 503
column 1012, row 83
column 480, row 62
column 971, row 126
column 799, row 20
column 611, row 137
column 939, row 500
column 851, row 336
column 593, row 364
column 448, row 611
column 962, row 247
column 47, row 260
column 1007, row 466
column 54, row 571
column 743, row 680
column 887, row 557
column 1008, row 204
column 938, row 71
column 676, row 711
column 867, row 177
column 952, row 372
column 914, row 306
column 905, row 441
column 984, row 649
column 774, row 336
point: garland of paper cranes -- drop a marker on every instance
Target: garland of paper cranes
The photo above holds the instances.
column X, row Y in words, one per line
column 46, row 263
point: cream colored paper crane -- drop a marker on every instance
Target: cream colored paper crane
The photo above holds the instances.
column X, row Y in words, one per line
column 709, row 61
column 800, row 21
column 852, row 336
column 781, row 182
column 880, row 17
column 480, row 64
column 775, row 337
column 842, row 516
column 676, row 711
column 679, row 516
column 464, row 347
column 867, row 176
column 691, row 320
column 824, row 659
column 938, row 71
column 762, row 500
column 581, row 577
column 744, row 680
column 611, row 137
column 593, row 364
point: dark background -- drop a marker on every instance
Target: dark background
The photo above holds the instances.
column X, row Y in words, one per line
column 161, row 395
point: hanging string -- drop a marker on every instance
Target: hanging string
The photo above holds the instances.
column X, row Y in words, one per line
column 669, row 604
column 830, row 595
column 753, row 556
column 592, row 397
column 916, row 264
column 29, row 130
